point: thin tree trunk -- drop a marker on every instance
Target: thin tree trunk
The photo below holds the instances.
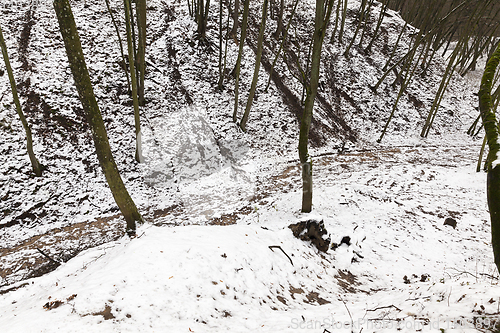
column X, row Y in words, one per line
column 258, row 57
column 235, row 18
column 481, row 153
column 135, row 100
column 83, row 85
column 279, row 28
column 37, row 167
column 219, row 82
column 358, row 27
column 246, row 6
column 223, row 70
column 119, row 43
column 321, row 22
column 202, row 19
column 383, row 11
column 342, row 23
column 141, row 51
column 335, row 26
column 281, row 44
column 132, row 29
column 366, row 18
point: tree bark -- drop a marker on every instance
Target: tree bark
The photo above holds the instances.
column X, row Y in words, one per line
column 119, row 42
column 135, row 100
column 37, row 167
column 279, row 28
column 285, row 35
column 141, row 49
column 86, row 95
column 235, row 18
column 258, row 57
column 246, row 6
column 493, row 163
column 321, row 21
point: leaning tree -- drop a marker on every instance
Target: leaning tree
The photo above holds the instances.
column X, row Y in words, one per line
column 74, row 51
column 37, row 167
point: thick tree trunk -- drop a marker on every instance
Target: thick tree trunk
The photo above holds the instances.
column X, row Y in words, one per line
column 202, row 19
column 37, row 167
column 321, row 21
column 83, row 85
column 258, row 57
column 493, row 162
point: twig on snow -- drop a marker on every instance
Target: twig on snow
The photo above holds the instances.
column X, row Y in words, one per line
column 279, row 247
column 417, row 298
column 47, row 256
column 3, row 95
column 386, row 307
column 473, row 275
column 350, row 316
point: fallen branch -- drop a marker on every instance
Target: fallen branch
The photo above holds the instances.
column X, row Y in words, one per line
column 385, row 307
column 2, row 292
column 416, row 299
column 350, row 316
column 47, row 256
column 473, row 275
column 279, row 247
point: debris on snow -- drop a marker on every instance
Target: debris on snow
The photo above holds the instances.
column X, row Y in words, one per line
column 312, row 231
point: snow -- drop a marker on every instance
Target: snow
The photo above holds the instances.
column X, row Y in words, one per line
column 216, row 278
column 215, row 199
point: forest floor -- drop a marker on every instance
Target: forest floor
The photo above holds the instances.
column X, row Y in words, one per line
column 404, row 270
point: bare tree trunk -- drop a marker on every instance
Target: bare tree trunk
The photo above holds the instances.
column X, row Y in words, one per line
column 246, row 6
column 258, row 57
column 235, row 18
column 83, row 85
column 135, row 100
column 321, row 21
column 37, row 167
column 119, row 43
column 201, row 18
column 281, row 44
column 141, row 51
column 222, row 64
column 279, row 28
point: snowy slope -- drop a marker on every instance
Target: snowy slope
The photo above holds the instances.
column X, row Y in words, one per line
column 189, row 270
column 215, row 278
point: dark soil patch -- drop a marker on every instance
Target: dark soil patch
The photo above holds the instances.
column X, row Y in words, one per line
column 24, row 40
column 347, row 281
column 228, row 219
column 106, row 313
column 24, row 261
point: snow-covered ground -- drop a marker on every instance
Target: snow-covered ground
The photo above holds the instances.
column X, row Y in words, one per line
column 403, row 270
column 217, row 200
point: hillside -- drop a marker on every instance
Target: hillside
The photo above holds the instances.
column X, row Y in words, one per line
column 215, row 198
